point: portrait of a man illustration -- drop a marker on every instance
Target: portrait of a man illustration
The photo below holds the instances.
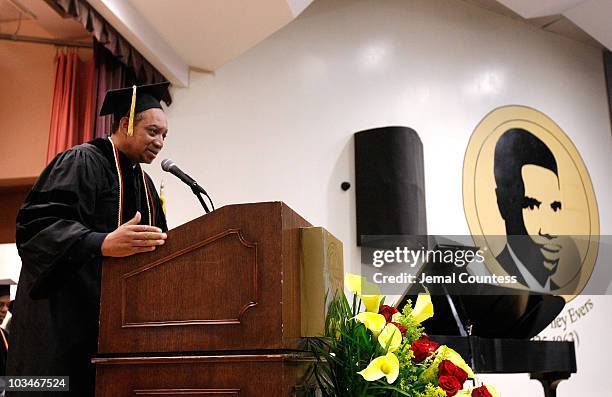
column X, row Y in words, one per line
column 530, row 202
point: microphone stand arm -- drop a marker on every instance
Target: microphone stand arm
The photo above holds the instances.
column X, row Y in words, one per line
column 198, row 191
column 195, row 189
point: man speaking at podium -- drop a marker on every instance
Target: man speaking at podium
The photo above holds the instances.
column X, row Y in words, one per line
column 92, row 201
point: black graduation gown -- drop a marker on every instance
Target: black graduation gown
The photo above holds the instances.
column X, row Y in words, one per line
column 60, row 229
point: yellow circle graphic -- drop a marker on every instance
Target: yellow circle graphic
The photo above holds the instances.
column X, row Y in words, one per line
column 529, row 201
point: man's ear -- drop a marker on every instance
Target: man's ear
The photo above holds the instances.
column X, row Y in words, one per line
column 123, row 124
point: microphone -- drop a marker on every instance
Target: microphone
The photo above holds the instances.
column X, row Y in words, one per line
column 171, row 167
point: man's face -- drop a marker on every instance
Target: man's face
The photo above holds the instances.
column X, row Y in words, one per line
column 4, row 302
column 542, row 211
column 148, row 138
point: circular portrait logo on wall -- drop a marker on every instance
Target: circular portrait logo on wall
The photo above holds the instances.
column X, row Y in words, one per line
column 529, row 201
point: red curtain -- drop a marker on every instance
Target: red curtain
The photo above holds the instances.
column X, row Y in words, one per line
column 72, row 113
column 109, row 74
column 110, row 39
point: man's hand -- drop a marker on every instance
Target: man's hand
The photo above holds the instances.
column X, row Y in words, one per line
column 132, row 238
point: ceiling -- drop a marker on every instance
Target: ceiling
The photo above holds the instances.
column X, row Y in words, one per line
column 37, row 18
column 550, row 15
column 214, row 32
column 11, row 11
column 179, row 35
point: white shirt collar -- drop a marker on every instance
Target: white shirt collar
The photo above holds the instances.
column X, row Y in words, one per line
column 531, row 281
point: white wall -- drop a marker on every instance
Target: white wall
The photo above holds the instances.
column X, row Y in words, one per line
column 277, row 123
column 10, row 266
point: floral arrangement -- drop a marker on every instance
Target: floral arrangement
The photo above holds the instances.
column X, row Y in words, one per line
column 384, row 352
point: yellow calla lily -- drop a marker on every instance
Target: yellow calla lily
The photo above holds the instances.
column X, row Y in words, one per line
column 359, row 285
column 366, row 291
column 387, row 366
column 446, row 353
column 352, row 282
column 396, row 317
column 391, row 336
column 423, row 308
column 373, row 321
column 371, row 302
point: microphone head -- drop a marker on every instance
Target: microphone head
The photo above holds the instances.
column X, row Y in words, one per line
column 166, row 164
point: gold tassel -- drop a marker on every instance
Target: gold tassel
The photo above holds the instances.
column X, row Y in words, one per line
column 162, row 197
column 130, row 131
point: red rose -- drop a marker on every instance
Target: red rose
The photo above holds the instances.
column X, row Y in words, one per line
column 449, row 384
column 447, row 368
column 400, row 327
column 481, row 391
column 387, row 311
column 423, row 348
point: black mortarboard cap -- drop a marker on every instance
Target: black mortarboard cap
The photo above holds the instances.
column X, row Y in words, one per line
column 118, row 102
column 5, row 286
column 134, row 100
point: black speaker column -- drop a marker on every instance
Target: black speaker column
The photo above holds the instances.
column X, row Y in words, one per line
column 390, row 182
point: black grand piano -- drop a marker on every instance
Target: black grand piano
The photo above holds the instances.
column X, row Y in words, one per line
column 492, row 329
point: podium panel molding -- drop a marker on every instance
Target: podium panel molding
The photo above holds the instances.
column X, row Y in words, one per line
column 135, row 311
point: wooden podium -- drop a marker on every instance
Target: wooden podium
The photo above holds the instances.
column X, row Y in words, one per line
column 214, row 312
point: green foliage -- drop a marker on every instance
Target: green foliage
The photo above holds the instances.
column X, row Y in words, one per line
column 432, row 391
column 348, row 347
column 414, row 330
